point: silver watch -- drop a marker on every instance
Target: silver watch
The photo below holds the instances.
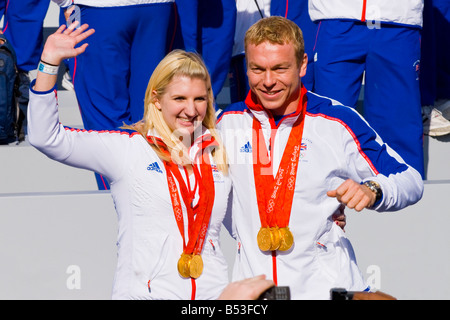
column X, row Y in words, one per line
column 375, row 187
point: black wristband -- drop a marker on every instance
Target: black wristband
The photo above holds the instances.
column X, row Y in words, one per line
column 50, row 64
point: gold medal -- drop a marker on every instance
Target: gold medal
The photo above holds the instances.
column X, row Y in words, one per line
column 184, row 265
column 190, row 266
column 276, row 238
column 264, row 239
column 271, row 239
column 287, row 239
column 196, row 266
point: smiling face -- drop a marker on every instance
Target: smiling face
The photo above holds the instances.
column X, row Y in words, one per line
column 184, row 104
column 274, row 76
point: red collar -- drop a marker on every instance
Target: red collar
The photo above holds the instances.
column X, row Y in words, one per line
column 253, row 105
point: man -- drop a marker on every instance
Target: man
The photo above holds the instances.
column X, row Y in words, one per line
column 294, row 158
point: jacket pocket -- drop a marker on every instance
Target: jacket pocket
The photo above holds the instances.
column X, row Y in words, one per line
column 335, row 256
column 148, row 259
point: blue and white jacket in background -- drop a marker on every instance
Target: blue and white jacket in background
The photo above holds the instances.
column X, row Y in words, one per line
column 106, row 3
column 403, row 12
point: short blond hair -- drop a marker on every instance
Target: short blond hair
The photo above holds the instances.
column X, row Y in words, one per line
column 276, row 30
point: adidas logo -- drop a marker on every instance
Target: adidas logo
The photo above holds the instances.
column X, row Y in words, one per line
column 246, row 148
column 154, row 167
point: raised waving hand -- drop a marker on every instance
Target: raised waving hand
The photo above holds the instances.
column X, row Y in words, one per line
column 59, row 46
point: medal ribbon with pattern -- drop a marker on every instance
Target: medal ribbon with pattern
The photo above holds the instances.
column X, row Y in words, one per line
column 275, row 195
column 190, row 264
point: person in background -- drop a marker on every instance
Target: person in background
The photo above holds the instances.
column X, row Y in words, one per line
column 207, row 27
column 23, row 27
column 248, row 12
column 435, row 68
column 379, row 41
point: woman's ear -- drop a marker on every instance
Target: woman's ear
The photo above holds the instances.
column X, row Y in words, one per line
column 155, row 99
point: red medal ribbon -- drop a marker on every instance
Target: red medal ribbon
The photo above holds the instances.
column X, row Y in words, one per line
column 200, row 214
column 275, row 196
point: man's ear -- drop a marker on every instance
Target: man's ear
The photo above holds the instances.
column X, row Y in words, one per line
column 303, row 66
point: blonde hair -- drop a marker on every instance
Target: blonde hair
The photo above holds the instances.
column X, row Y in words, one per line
column 276, row 30
column 177, row 63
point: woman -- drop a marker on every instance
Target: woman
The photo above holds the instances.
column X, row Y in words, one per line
column 168, row 176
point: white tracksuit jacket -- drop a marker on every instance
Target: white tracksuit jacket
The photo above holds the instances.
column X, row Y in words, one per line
column 404, row 12
column 149, row 243
column 337, row 144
